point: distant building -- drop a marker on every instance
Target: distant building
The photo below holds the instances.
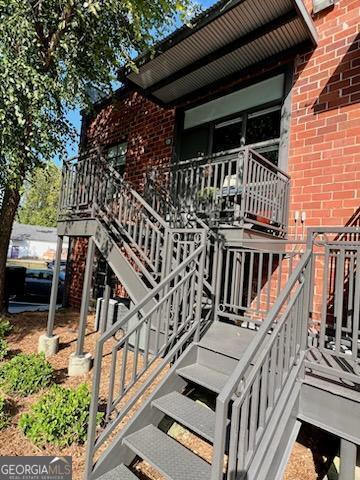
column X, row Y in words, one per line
column 35, row 242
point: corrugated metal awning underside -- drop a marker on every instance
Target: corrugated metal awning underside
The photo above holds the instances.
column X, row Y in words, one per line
column 234, row 36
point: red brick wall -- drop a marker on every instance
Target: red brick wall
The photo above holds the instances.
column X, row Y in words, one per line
column 77, row 258
column 147, row 128
column 324, row 160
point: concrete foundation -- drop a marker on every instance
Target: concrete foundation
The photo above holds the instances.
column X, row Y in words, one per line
column 48, row 345
column 79, row 365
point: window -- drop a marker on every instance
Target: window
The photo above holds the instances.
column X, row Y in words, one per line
column 260, row 129
column 117, row 156
column 263, row 125
column 194, row 142
column 227, row 135
column 251, row 116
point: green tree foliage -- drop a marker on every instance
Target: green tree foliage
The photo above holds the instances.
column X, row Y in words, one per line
column 39, row 206
column 53, row 52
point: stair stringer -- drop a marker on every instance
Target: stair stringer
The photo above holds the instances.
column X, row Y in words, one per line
column 117, row 453
column 117, row 261
column 274, row 451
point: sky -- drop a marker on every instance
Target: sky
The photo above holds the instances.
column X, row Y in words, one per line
column 74, row 115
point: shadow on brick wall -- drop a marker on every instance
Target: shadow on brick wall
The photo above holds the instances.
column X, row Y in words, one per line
column 343, row 87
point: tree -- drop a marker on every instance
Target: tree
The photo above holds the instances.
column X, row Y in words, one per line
column 39, row 205
column 53, row 52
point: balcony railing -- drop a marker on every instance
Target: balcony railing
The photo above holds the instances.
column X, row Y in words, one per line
column 237, row 187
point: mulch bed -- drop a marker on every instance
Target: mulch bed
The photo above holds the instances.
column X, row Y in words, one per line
column 27, row 328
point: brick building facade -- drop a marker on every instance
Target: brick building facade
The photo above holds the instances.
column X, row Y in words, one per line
column 324, row 141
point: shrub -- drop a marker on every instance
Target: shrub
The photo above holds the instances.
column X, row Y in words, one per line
column 3, row 348
column 25, row 374
column 5, row 327
column 60, row 417
column 4, row 414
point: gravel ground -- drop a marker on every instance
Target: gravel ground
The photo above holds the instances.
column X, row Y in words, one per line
column 24, row 338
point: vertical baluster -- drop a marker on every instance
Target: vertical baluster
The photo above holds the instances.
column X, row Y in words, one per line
column 280, row 362
column 242, row 278
column 349, row 280
column 136, row 353
column 124, row 367
column 249, row 298
column 109, row 404
column 338, row 305
column 216, row 197
column 272, row 374
column 234, row 441
column 288, row 327
column 237, row 281
column 259, row 282
column 254, row 416
column 356, row 316
column 243, row 437
column 147, row 327
column 269, row 278
column 324, row 299
column 227, row 273
column 264, row 392
column 281, row 257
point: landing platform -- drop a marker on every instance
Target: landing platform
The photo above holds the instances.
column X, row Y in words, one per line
column 228, row 340
column 339, row 373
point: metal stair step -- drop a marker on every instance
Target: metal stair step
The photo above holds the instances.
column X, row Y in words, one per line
column 166, row 455
column 121, row 472
column 204, row 376
column 194, row 416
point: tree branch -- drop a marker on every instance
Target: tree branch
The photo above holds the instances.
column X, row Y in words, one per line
column 55, row 38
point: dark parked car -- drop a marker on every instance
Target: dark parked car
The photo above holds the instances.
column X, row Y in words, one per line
column 38, row 285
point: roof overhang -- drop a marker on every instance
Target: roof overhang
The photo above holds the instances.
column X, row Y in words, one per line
column 228, row 38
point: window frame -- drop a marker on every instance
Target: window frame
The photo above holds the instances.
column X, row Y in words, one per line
column 284, row 103
column 111, row 159
column 243, row 116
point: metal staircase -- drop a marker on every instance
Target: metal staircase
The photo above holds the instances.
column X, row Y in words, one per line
column 246, row 353
column 256, row 383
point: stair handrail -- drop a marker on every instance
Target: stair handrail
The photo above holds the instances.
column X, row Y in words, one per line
column 239, row 382
column 184, row 282
column 130, row 189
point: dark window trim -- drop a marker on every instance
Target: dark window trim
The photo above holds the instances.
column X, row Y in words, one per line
column 211, row 125
column 284, row 103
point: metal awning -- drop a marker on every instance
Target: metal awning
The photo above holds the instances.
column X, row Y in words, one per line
column 228, row 38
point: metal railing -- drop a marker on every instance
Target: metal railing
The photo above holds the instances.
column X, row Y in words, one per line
column 91, row 187
column 162, row 332
column 335, row 306
column 253, row 390
column 237, row 187
column 249, row 281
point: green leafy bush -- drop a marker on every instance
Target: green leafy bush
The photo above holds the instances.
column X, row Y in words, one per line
column 60, row 417
column 4, row 349
column 4, row 414
column 25, row 374
column 5, row 327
